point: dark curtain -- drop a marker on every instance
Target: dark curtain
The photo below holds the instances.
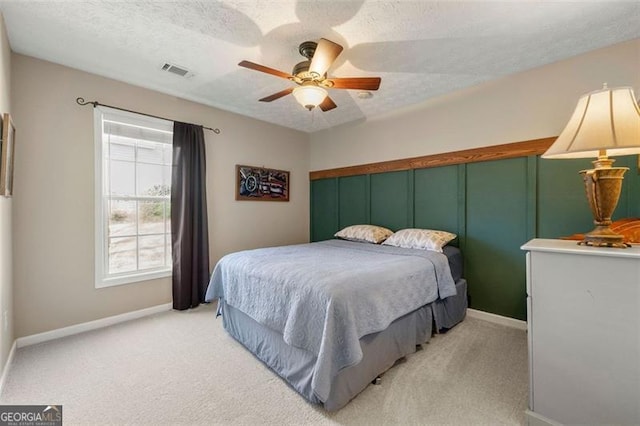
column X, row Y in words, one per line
column 189, row 235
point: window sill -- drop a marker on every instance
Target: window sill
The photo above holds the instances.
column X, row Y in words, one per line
column 132, row 278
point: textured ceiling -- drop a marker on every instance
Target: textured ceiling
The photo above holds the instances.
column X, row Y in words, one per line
column 421, row 49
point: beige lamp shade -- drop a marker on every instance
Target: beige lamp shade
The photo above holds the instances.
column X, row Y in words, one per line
column 607, row 119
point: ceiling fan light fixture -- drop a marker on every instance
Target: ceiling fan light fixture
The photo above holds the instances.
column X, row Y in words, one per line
column 311, row 76
column 309, row 96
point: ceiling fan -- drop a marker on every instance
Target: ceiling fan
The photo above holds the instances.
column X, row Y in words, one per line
column 311, row 76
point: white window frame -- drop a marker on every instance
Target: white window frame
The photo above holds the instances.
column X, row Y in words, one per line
column 102, row 277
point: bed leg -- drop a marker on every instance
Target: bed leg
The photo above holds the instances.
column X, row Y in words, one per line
column 378, row 379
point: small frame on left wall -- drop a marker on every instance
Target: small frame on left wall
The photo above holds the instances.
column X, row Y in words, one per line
column 7, row 145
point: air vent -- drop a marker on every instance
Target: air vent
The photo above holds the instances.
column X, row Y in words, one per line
column 182, row 72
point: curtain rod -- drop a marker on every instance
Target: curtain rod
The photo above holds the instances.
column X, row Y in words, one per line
column 81, row 101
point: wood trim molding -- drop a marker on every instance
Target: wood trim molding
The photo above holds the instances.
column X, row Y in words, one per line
column 495, row 152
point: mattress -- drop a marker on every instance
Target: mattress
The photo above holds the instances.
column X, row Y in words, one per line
column 450, row 311
column 454, row 257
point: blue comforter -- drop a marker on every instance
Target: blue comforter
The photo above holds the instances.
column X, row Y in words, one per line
column 323, row 297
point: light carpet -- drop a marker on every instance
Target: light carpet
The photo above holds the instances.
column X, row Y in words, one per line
column 182, row 368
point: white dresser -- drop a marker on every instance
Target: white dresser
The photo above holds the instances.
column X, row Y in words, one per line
column 583, row 319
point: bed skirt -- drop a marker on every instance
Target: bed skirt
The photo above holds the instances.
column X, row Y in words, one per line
column 380, row 350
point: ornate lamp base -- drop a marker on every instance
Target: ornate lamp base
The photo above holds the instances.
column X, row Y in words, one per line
column 603, row 185
column 603, row 236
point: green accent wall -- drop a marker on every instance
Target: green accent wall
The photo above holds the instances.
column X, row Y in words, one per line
column 324, row 209
column 392, row 199
column 496, row 216
column 562, row 204
column 353, row 207
column 439, row 183
column 494, row 207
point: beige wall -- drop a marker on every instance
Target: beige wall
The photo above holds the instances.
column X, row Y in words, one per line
column 6, row 275
column 54, row 195
column 528, row 105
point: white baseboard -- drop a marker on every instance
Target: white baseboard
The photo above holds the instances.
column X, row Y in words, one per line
column 7, row 365
column 535, row 419
column 497, row 319
column 91, row 325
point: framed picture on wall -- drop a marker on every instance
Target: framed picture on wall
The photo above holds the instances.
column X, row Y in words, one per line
column 6, row 156
column 260, row 184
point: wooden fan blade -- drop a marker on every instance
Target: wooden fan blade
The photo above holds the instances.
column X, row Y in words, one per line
column 358, row 83
column 262, row 68
column 327, row 104
column 278, row 95
column 326, row 52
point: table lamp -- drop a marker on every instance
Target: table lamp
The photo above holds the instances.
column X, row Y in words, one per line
column 605, row 122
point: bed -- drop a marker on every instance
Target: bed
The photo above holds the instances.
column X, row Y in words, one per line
column 329, row 317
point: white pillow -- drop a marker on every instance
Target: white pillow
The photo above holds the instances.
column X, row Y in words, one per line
column 364, row 233
column 425, row 239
